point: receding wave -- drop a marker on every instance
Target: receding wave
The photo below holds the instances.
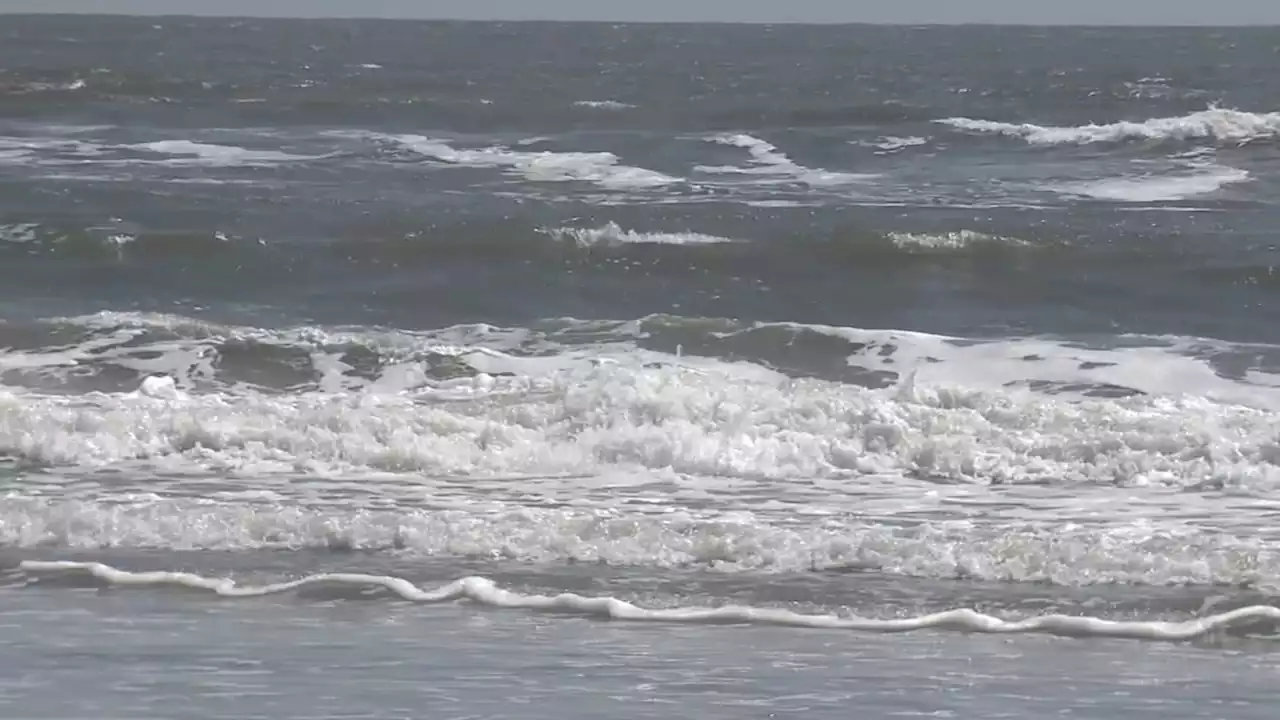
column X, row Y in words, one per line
column 482, row 591
column 1216, row 124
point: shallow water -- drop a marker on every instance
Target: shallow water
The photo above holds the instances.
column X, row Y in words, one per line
column 147, row 655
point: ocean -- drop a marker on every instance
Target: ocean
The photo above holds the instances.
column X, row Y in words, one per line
column 388, row 369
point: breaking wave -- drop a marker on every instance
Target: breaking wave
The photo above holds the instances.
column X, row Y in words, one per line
column 1216, row 124
column 771, row 165
column 602, row 168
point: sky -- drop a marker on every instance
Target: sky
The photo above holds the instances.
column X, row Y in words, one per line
column 1086, row 12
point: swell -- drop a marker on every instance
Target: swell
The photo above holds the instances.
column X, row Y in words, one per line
column 390, row 248
column 356, row 100
column 392, row 242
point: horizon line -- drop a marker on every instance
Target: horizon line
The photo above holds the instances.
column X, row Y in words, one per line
column 597, row 21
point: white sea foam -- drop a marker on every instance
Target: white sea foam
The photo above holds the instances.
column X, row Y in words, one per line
column 211, row 155
column 604, row 104
column 77, row 84
column 18, row 233
column 770, row 165
column 63, row 152
column 601, row 168
column 573, row 443
column 646, row 532
column 1168, row 367
column 892, row 144
column 483, row 591
column 613, row 234
column 27, row 150
column 950, row 240
column 1217, row 124
column 1201, row 179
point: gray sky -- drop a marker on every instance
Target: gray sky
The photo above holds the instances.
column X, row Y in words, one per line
column 1093, row 12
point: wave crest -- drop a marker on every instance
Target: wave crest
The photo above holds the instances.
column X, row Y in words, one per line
column 1216, row 124
column 614, row 235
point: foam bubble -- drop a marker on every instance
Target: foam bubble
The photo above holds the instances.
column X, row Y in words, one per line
column 160, row 387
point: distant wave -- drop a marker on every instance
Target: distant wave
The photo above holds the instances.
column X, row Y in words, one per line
column 219, row 155
column 1217, row 124
column 613, row 234
column 42, row 87
column 950, row 240
column 601, row 168
column 604, row 104
column 18, row 233
column 74, row 152
column 891, row 144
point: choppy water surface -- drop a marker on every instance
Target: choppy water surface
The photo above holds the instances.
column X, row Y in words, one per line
column 819, row 358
